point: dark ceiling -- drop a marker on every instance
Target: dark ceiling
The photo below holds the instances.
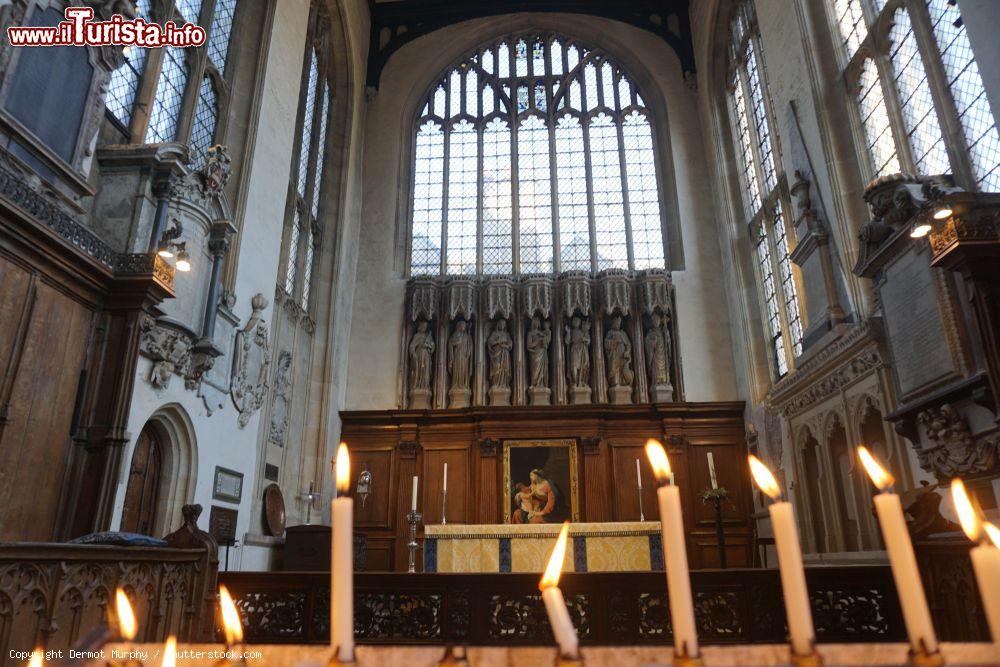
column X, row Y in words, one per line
column 396, row 23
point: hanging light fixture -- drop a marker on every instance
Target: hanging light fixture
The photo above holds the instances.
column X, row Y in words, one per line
column 183, row 260
column 920, row 230
column 942, row 212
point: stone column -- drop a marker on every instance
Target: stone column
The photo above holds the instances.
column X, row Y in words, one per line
column 205, row 350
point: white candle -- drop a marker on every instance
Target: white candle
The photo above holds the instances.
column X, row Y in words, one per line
column 674, row 554
column 342, row 563
column 445, row 485
column 413, row 495
column 711, row 470
column 916, row 614
column 985, row 557
column 555, row 605
column 638, row 475
column 793, row 575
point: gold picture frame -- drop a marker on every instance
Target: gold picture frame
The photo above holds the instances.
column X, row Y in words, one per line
column 520, row 457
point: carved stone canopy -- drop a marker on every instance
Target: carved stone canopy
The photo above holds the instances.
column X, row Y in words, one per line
column 461, row 298
column 499, row 298
column 654, row 291
column 424, row 297
column 536, row 294
column 575, row 293
column 615, row 291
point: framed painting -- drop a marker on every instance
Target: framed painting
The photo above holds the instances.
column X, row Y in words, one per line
column 540, row 481
column 228, row 485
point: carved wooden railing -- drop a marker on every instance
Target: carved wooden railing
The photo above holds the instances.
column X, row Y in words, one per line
column 51, row 595
column 850, row 604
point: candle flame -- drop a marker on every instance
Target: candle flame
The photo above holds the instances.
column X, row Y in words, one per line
column 993, row 532
column 880, row 476
column 967, row 514
column 764, row 478
column 658, row 460
column 127, row 626
column 36, row 657
column 343, row 468
column 170, row 652
column 552, row 571
column 230, row 617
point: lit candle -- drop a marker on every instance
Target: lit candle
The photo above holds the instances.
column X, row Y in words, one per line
column 445, row 486
column 231, row 625
column 985, row 557
column 342, row 563
column 674, row 553
column 638, row 475
column 413, row 495
column 36, row 658
column 169, row 652
column 711, row 470
column 555, row 605
column 916, row 614
column 127, row 625
column 793, row 576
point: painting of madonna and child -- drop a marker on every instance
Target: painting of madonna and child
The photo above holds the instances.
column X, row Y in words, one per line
column 541, row 479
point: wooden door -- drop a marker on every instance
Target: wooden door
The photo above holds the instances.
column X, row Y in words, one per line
column 144, row 477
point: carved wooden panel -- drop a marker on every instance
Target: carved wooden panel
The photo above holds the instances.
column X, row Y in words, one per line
column 432, row 478
column 625, row 491
column 42, row 371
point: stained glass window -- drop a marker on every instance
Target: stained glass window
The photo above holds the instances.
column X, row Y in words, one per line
column 763, row 205
column 305, row 202
column 897, row 65
column 531, row 183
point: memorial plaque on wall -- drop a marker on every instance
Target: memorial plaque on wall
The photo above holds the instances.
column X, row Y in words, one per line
column 222, row 524
column 915, row 324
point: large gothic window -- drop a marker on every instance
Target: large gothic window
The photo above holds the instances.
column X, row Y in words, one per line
column 912, row 72
column 534, row 154
column 764, row 196
column 186, row 86
column 303, row 229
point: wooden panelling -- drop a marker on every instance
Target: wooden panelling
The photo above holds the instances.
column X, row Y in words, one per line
column 399, row 444
column 379, row 553
column 44, row 369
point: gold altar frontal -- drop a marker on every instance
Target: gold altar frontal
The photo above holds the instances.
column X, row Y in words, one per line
column 594, row 547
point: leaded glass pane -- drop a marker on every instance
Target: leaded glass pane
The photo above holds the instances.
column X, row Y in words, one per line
column 575, row 96
column 571, row 174
column 488, row 101
column 305, row 139
column 428, row 192
column 624, row 92
column 875, row 120
column 915, row 99
column 222, row 27
column 770, row 299
column 573, row 57
column 462, row 199
column 851, row 22
column 609, row 208
column 752, row 200
column 541, row 101
column 497, row 209
column 203, row 127
column 787, row 280
column 293, row 253
column 454, row 94
column 538, row 58
column 523, row 103
column 487, row 61
column 969, row 93
column 534, row 196
column 503, row 61
column 307, row 265
column 607, row 86
column 764, row 149
column 190, row 9
column 165, row 111
column 124, row 84
column 590, row 86
column 521, row 58
column 439, row 104
column 472, row 93
column 320, row 151
column 556, row 57
column 643, row 194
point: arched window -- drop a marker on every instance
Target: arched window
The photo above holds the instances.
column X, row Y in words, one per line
column 764, row 196
column 534, row 154
column 913, row 72
column 302, row 237
column 181, row 74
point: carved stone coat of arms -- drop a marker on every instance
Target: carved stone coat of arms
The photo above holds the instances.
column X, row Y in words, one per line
column 251, row 361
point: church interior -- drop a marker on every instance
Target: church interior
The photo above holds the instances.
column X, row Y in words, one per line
column 419, row 332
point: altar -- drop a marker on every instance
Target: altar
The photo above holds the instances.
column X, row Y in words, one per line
column 594, row 547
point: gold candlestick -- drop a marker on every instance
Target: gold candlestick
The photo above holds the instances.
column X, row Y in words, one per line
column 924, row 658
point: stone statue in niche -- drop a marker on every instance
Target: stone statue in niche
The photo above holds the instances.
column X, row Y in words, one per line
column 578, row 359
column 280, row 400
column 539, row 338
column 618, row 353
column 657, row 345
column 460, row 365
column 421, row 352
column 499, row 344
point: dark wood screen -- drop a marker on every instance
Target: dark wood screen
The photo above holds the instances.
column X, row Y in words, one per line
column 142, row 493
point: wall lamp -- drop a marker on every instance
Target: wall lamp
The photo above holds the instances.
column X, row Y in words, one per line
column 168, row 246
